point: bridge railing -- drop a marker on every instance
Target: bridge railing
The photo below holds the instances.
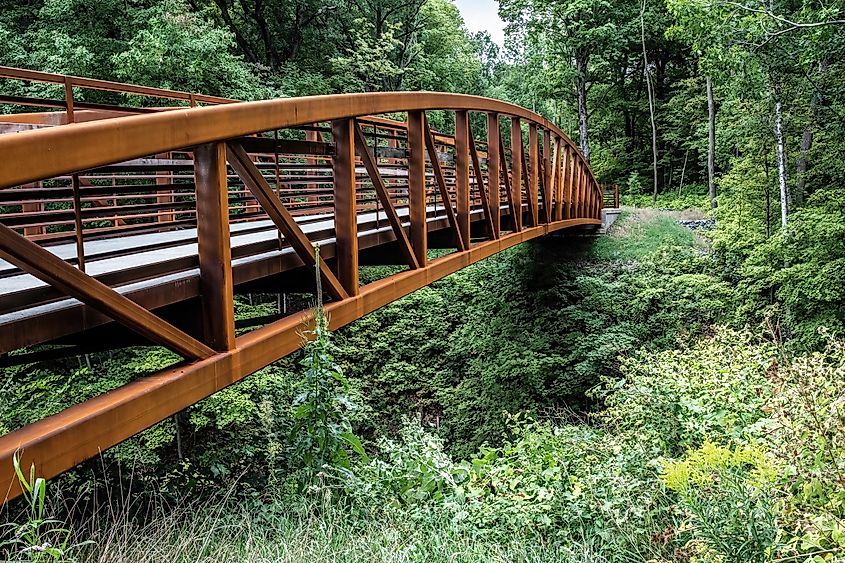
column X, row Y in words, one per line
column 284, row 163
column 76, row 199
column 142, row 96
column 610, row 196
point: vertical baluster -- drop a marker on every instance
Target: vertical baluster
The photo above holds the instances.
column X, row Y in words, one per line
column 162, row 178
column 345, row 216
column 416, row 186
column 215, row 253
column 462, row 173
column 74, row 178
column 493, row 169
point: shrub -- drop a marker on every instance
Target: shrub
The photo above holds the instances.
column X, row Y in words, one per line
column 725, row 494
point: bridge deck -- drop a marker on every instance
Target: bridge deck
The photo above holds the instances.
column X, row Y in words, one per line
column 159, row 269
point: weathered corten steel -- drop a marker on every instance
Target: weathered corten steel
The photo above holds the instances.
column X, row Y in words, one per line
column 192, row 176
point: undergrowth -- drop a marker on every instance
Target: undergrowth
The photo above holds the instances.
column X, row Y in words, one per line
column 581, row 404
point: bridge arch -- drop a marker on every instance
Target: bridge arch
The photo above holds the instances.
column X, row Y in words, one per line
column 340, row 171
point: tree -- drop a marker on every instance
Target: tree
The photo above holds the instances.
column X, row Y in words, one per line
column 580, row 33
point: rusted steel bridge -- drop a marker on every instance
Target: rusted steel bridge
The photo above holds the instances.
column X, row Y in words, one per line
column 136, row 223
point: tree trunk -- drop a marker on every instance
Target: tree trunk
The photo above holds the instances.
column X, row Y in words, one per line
column 781, row 156
column 581, row 60
column 806, row 145
column 768, row 197
column 711, row 144
column 801, row 165
column 650, row 90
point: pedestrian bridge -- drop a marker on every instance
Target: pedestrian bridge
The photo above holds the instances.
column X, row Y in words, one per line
column 135, row 218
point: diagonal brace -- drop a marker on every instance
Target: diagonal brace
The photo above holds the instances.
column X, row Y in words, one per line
column 441, row 184
column 270, row 202
column 51, row 269
column 479, row 182
column 384, row 197
column 508, row 187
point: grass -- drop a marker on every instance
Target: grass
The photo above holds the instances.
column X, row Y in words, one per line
column 638, row 233
column 224, row 531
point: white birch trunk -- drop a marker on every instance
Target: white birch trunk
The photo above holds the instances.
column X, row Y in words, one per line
column 781, row 156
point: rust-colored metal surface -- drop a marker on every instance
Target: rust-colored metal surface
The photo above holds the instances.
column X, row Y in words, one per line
column 111, row 215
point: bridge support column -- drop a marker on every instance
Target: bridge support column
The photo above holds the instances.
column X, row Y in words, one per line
column 416, row 186
column 533, row 172
column 215, row 253
column 581, row 190
column 569, row 170
column 493, row 168
column 547, row 175
column 462, row 173
column 345, row 216
column 565, row 178
column 516, row 171
column 554, row 190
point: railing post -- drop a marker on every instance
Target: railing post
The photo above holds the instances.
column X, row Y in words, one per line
column 599, row 201
column 533, row 171
column 74, row 178
column 547, row 175
column 583, row 175
column 345, row 216
column 576, row 187
column 570, row 182
column 560, row 147
column 416, row 186
column 516, row 171
column 596, row 199
column 566, row 182
column 462, row 173
column 215, row 253
column 493, row 168
column 588, row 195
column 555, row 181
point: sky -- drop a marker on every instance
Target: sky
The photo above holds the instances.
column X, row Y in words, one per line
column 483, row 15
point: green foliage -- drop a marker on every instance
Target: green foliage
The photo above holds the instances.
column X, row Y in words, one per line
column 321, row 429
column 175, row 48
column 753, row 475
column 677, row 399
column 692, row 197
column 726, row 495
column 807, row 406
column 38, row 539
column 794, row 275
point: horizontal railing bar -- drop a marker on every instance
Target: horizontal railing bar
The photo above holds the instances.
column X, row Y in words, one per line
column 107, row 85
column 94, row 144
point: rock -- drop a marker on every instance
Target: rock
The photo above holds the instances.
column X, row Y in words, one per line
column 698, row 224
